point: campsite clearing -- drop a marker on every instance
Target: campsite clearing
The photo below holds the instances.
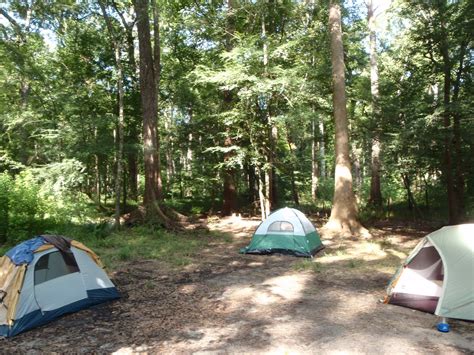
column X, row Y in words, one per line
column 225, row 302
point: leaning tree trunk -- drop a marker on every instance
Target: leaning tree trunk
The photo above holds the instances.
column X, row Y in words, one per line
column 375, row 198
column 343, row 220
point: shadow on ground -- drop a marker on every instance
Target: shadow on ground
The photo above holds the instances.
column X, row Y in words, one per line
column 226, row 303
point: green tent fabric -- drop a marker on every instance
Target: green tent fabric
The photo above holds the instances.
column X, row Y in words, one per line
column 285, row 231
column 438, row 276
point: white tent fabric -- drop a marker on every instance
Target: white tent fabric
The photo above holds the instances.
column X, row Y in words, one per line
column 301, row 224
column 455, row 245
column 438, row 276
column 58, row 292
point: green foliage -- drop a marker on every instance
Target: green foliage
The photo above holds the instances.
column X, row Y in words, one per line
column 25, row 208
column 31, row 206
column 58, row 107
column 5, row 192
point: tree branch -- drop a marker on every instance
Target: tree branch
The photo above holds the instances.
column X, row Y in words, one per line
column 15, row 24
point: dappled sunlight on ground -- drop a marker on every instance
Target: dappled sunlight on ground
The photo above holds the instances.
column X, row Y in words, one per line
column 225, row 302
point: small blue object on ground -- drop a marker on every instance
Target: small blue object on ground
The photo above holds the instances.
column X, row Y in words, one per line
column 443, row 327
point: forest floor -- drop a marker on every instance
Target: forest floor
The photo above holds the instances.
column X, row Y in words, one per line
column 224, row 302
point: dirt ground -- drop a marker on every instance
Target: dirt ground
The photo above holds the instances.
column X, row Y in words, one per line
column 230, row 303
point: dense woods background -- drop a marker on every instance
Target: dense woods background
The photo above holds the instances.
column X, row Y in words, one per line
column 206, row 107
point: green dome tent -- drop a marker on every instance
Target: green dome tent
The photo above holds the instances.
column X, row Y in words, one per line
column 438, row 276
column 286, row 231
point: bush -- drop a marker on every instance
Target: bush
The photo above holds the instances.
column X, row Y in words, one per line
column 21, row 211
column 39, row 200
column 6, row 184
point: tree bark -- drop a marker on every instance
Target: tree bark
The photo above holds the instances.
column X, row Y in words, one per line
column 458, row 157
column 448, row 166
column 375, row 198
column 149, row 110
column 343, row 220
column 270, row 174
column 120, row 122
column 229, row 204
column 157, row 71
column 314, row 161
column 294, row 188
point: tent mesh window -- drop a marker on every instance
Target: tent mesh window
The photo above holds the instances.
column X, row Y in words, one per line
column 281, row 226
column 54, row 265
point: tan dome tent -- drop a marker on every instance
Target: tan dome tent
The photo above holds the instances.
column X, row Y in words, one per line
column 46, row 277
column 438, row 276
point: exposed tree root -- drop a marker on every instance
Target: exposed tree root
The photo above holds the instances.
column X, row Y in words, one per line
column 161, row 215
column 345, row 228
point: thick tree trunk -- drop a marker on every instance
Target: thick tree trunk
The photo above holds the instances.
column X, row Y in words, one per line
column 343, row 220
column 149, row 110
column 375, row 198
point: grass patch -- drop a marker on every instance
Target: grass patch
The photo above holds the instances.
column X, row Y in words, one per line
column 147, row 243
column 308, row 265
column 354, row 263
column 128, row 245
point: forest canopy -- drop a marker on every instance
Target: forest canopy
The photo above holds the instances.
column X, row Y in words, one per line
column 205, row 107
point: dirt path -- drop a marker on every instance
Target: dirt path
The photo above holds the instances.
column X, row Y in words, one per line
column 231, row 303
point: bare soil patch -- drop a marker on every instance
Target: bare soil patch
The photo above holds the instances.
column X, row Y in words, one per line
column 229, row 303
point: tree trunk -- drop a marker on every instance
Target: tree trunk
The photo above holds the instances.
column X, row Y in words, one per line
column 120, row 122
column 170, row 167
column 132, row 175
column 229, row 193
column 294, row 189
column 157, row 72
column 375, row 198
column 264, row 205
column 270, row 173
column 149, row 110
column 314, row 161
column 229, row 190
column 452, row 203
column 343, row 220
column 251, row 184
column 322, row 150
column 458, row 157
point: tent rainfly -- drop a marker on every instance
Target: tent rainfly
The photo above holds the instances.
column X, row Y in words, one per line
column 285, row 231
column 46, row 277
column 438, row 276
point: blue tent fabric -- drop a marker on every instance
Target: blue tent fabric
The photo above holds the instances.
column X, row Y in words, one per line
column 23, row 253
